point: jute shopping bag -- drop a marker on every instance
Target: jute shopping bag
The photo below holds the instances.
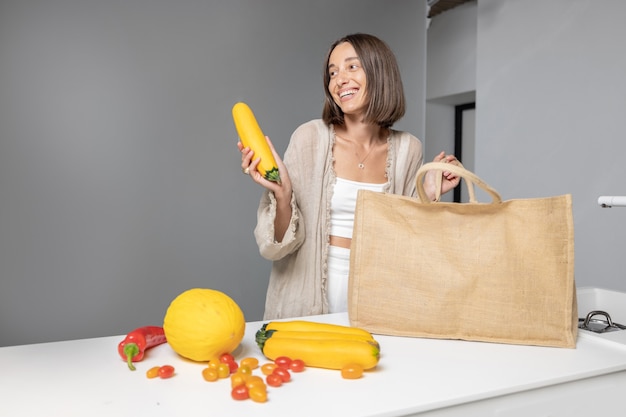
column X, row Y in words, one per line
column 499, row 271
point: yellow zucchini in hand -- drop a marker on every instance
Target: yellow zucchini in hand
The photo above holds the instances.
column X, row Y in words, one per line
column 312, row 326
column 324, row 353
column 252, row 137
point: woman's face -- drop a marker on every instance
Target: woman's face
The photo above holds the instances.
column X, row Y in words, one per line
column 347, row 80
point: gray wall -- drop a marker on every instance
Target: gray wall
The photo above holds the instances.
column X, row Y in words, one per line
column 451, row 80
column 551, row 99
column 119, row 177
column 550, row 104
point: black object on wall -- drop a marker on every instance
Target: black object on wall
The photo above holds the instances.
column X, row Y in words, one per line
column 458, row 138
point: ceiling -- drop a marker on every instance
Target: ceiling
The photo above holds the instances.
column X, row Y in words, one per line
column 440, row 6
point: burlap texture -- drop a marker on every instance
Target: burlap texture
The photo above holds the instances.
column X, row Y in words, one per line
column 496, row 272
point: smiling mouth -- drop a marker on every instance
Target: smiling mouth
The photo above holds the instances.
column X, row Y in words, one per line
column 347, row 93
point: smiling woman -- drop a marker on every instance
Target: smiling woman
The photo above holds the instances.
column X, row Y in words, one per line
column 304, row 224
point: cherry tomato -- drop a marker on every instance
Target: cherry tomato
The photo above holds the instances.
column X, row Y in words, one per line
column 153, row 372
column 223, row 370
column 252, row 363
column 237, row 379
column 226, row 358
column 352, row 371
column 214, row 363
column 232, row 366
column 282, row 373
column 240, row 392
column 258, row 394
column 210, row 374
column 245, row 369
column 166, row 371
column 255, row 380
column 283, row 361
column 297, row 365
column 274, row 380
column 267, row 368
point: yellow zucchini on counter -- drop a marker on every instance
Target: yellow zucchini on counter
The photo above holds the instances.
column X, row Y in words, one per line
column 252, row 136
column 328, row 353
column 319, row 345
column 313, row 326
column 289, row 334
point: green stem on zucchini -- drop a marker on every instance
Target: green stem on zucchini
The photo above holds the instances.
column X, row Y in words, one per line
column 262, row 335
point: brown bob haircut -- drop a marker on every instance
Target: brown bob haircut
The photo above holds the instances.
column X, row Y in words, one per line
column 384, row 84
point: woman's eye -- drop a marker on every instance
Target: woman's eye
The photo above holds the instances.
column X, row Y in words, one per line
column 332, row 73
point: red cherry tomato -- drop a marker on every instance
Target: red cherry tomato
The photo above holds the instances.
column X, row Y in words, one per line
column 297, row 365
column 226, row 358
column 274, row 380
column 232, row 366
column 282, row 373
column 283, row 362
column 166, row 371
column 240, row 392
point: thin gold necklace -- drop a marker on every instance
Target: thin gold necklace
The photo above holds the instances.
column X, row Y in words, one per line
column 361, row 164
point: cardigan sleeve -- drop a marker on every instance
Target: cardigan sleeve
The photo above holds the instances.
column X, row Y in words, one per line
column 409, row 159
column 297, row 160
column 269, row 248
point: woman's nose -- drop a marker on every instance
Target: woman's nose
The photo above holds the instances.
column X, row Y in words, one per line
column 341, row 78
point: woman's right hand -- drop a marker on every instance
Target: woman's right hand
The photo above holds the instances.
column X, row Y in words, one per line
column 281, row 190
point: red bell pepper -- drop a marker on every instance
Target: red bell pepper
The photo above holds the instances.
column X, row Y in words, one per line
column 134, row 346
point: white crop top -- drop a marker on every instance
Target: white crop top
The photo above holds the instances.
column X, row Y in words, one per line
column 343, row 204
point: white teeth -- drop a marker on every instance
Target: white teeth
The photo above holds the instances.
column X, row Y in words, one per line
column 347, row 92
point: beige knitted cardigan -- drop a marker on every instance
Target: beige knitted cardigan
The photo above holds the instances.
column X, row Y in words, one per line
column 297, row 285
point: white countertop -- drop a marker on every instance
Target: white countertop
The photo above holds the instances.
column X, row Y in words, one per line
column 87, row 377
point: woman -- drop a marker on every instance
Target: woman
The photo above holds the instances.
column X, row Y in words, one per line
column 304, row 224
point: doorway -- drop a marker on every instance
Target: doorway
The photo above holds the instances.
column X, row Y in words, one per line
column 464, row 141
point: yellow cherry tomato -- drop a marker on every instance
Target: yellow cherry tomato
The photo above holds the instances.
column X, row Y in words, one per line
column 237, row 379
column 268, row 368
column 153, row 372
column 255, row 380
column 352, row 371
column 210, row 374
column 250, row 362
column 245, row 369
column 257, row 394
column 223, row 370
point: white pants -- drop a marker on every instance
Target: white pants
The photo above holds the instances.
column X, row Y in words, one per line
column 338, row 269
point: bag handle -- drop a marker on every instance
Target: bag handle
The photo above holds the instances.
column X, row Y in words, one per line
column 468, row 183
column 469, row 177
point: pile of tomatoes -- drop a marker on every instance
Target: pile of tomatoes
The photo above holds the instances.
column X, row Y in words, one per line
column 244, row 379
column 245, row 383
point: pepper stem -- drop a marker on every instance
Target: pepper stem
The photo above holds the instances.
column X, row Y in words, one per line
column 130, row 350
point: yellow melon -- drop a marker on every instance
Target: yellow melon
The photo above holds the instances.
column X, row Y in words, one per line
column 202, row 323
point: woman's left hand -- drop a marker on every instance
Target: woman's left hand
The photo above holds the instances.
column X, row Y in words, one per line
column 448, row 179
